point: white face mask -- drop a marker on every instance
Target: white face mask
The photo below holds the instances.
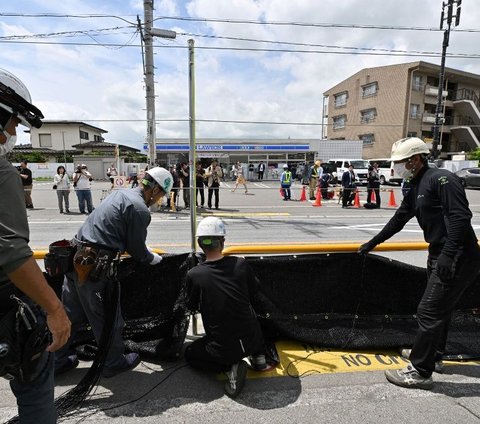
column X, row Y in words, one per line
column 9, row 144
column 401, row 171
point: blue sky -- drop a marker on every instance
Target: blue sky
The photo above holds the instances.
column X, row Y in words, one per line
column 102, row 83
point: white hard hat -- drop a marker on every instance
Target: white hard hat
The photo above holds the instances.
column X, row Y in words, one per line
column 211, row 227
column 285, row 166
column 163, row 178
column 408, row 147
column 15, row 99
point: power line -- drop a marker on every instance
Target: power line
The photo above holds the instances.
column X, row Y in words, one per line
column 307, row 24
column 251, row 49
column 236, row 21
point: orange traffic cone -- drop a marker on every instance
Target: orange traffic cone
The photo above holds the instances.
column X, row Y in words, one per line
column 373, row 199
column 392, row 202
column 318, row 198
column 356, row 203
column 282, row 193
column 303, row 196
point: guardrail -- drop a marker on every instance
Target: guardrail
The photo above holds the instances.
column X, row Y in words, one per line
column 269, row 249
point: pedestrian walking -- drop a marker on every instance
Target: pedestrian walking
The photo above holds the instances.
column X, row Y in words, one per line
column 240, row 177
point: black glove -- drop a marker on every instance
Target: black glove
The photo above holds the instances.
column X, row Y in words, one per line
column 445, row 267
column 366, row 247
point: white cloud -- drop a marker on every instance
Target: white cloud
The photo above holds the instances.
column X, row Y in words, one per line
column 95, row 82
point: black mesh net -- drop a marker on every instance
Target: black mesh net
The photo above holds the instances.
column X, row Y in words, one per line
column 346, row 300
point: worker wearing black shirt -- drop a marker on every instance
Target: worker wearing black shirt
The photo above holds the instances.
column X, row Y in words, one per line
column 221, row 288
column 437, row 198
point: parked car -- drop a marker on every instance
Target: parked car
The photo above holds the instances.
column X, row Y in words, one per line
column 470, row 177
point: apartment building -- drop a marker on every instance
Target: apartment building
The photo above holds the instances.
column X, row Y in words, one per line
column 383, row 104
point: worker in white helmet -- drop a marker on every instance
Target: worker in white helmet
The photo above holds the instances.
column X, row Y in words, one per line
column 222, row 289
column 437, row 199
column 29, row 308
column 118, row 225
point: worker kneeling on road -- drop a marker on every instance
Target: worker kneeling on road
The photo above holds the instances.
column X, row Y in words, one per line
column 222, row 289
column 119, row 224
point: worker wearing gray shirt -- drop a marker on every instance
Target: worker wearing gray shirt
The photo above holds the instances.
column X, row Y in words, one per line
column 119, row 224
column 27, row 364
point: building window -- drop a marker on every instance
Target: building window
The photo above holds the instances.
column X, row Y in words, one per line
column 368, row 115
column 411, row 134
column 370, row 89
column 339, row 121
column 45, row 140
column 83, row 135
column 97, row 137
column 367, row 139
column 341, row 99
column 417, row 83
column 414, row 111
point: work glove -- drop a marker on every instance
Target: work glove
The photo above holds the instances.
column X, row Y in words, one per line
column 366, row 247
column 445, row 267
column 156, row 259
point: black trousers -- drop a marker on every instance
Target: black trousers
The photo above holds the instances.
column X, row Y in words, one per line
column 377, row 194
column 211, row 192
column 348, row 195
column 200, row 191
column 198, row 357
column 435, row 310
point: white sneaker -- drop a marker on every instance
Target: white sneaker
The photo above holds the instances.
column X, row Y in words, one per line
column 439, row 365
column 409, row 378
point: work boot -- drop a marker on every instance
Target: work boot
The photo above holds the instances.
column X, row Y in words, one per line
column 259, row 363
column 131, row 361
column 409, row 378
column 439, row 366
column 235, row 379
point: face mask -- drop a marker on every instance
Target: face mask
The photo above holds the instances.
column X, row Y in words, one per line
column 401, row 171
column 9, row 144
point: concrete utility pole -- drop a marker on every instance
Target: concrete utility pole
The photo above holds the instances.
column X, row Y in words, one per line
column 149, row 75
column 192, row 161
column 439, row 118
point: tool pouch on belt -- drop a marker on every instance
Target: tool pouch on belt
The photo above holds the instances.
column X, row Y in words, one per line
column 93, row 263
column 84, row 262
column 23, row 340
column 59, row 258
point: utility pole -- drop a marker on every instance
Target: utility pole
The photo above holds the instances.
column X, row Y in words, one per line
column 439, row 118
column 192, row 161
column 149, row 33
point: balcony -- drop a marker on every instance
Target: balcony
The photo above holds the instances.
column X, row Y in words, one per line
column 430, row 90
column 428, row 118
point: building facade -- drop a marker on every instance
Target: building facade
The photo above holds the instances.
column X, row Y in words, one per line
column 383, row 104
column 60, row 135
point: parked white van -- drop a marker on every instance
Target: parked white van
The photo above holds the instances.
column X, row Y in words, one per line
column 386, row 171
column 360, row 167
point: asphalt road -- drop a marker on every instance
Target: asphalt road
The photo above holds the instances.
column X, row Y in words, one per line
column 166, row 392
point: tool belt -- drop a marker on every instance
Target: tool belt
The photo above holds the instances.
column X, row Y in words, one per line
column 94, row 263
column 23, row 338
column 59, row 259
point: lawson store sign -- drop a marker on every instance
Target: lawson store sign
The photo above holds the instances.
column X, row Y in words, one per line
column 163, row 147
